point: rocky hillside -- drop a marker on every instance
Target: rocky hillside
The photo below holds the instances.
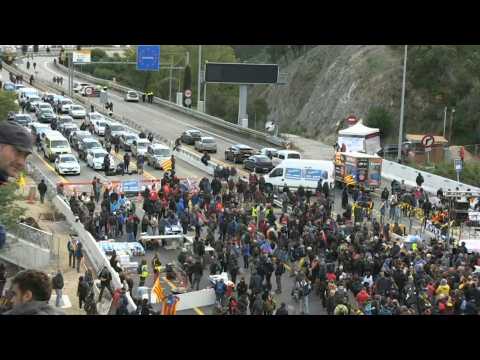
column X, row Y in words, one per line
column 328, row 83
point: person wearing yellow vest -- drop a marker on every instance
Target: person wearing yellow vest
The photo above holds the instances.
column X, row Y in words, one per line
column 143, row 272
column 255, row 210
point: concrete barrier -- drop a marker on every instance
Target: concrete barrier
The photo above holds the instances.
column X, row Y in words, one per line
column 392, row 170
column 25, row 254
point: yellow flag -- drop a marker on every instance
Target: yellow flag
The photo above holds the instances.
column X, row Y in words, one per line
column 167, row 165
column 158, row 290
column 21, row 181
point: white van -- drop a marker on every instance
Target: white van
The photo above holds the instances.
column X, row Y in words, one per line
column 285, row 155
column 53, row 144
column 295, row 172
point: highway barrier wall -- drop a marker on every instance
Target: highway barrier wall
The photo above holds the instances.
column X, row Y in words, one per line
column 25, row 254
column 392, row 170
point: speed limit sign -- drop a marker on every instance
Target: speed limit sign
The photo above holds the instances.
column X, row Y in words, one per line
column 188, row 101
column 188, row 93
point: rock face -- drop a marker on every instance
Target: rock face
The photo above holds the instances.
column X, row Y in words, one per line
column 331, row 82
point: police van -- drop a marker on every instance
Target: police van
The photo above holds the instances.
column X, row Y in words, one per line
column 296, row 172
column 53, row 144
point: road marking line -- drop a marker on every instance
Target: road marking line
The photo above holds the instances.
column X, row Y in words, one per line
column 198, row 311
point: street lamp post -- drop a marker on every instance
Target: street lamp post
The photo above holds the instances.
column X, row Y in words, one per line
column 400, row 133
column 451, row 127
column 199, row 85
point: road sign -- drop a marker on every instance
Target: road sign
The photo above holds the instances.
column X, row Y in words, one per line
column 458, row 165
column 352, row 120
column 148, row 57
column 89, row 91
column 188, row 93
column 188, row 101
column 428, row 141
column 82, row 56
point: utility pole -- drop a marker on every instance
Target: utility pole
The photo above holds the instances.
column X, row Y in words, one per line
column 451, row 127
column 187, row 60
column 170, row 81
column 199, row 85
column 444, row 120
column 400, row 133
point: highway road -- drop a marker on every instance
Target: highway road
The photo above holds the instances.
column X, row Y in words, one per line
column 168, row 123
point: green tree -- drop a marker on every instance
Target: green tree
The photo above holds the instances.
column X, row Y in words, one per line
column 7, row 104
column 378, row 117
column 98, row 55
column 11, row 211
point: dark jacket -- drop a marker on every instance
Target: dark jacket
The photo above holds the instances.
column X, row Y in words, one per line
column 42, row 188
column 82, row 289
column 282, row 311
column 57, row 282
column 34, row 308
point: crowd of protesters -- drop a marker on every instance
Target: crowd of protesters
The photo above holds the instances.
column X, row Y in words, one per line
column 354, row 261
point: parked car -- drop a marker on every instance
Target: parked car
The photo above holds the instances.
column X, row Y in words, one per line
column 132, row 96
column 76, row 136
column 67, row 164
column 22, row 119
column 99, row 127
column 85, row 145
column 270, row 152
column 139, row 147
column 127, row 139
column 206, row 143
column 92, row 117
column 95, row 159
column 77, row 112
column 238, row 153
column 156, row 154
column 41, row 107
column 61, row 119
column 63, row 105
column 190, row 136
column 79, row 86
column 46, row 116
column 68, row 128
column 258, row 163
column 114, row 129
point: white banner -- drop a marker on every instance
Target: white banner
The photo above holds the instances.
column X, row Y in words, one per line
column 352, row 143
column 82, row 56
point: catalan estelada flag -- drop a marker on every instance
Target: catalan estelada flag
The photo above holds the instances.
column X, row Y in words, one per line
column 170, row 305
column 158, row 290
column 166, row 165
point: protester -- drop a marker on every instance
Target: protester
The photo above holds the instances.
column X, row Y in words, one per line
column 42, row 189
column 57, row 285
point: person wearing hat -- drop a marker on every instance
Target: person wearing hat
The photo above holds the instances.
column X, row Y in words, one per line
column 15, row 145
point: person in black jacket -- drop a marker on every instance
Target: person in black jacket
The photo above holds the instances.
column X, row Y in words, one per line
column 419, row 180
column 82, row 291
column 3, row 278
column 105, row 282
column 79, row 255
column 42, row 189
column 282, row 310
column 57, row 285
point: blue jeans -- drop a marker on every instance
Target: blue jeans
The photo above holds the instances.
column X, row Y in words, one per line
column 304, row 305
column 130, row 237
column 58, row 300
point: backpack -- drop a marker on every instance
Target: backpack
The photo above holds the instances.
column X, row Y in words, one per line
column 139, row 269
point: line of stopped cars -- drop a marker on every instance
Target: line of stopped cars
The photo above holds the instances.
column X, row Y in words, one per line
column 262, row 161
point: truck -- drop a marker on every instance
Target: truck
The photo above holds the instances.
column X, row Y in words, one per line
column 358, row 169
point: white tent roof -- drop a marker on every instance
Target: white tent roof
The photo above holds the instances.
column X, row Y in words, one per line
column 359, row 130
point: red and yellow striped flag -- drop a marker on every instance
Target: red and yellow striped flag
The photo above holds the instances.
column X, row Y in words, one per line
column 170, row 305
column 166, row 165
column 158, row 290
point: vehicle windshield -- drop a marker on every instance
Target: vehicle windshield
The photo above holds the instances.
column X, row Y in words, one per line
column 262, row 158
column 293, row 156
column 117, row 128
column 132, row 93
column 208, row 141
column 47, row 112
column 142, row 144
column 92, row 145
column 101, row 124
column 66, row 102
column 162, row 152
column 130, row 137
column 76, row 107
column 66, row 120
column 195, row 133
column 95, row 116
column 45, row 106
column 100, row 155
column 58, row 143
column 68, row 159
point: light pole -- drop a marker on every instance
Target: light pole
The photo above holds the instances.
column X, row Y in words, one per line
column 451, row 127
column 199, row 85
column 400, row 133
column 445, row 120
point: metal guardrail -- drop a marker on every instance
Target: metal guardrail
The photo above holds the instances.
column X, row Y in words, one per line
column 32, row 235
column 193, row 113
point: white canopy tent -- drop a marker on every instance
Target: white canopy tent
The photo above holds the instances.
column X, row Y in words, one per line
column 360, row 138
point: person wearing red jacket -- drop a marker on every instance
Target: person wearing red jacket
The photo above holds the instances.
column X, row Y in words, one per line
column 362, row 297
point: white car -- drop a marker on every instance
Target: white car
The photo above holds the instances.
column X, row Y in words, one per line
column 79, row 86
column 67, row 164
column 92, row 116
column 95, row 159
column 269, row 151
column 99, row 127
column 132, row 96
column 77, row 112
column 42, row 107
column 140, row 146
column 65, row 105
